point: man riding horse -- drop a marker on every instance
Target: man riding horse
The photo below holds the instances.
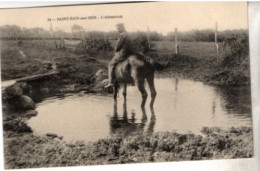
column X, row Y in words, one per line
column 123, row 49
column 130, row 67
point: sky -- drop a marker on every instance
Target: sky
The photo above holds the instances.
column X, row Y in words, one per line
column 162, row 17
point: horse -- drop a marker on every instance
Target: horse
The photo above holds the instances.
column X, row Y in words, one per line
column 135, row 70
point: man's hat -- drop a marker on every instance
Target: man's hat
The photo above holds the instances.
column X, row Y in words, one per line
column 120, row 25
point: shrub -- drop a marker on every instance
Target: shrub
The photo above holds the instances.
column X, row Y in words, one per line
column 234, row 50
column 17, row 125
column 95, row 44
column 141, row 44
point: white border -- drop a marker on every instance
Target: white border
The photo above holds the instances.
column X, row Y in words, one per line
column 214, row 165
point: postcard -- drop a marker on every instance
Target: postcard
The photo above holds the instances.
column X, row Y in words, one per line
column 125, row 83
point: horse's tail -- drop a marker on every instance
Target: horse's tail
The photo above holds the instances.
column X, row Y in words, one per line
column 156, row 65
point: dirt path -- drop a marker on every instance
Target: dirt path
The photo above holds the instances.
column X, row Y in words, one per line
column 53, row 71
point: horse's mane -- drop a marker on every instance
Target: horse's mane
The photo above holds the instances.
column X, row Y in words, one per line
column 143, row 58
column 149, row 60
column 140, row 56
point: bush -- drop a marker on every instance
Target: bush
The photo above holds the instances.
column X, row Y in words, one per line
column 95, row 44
column 141, row 43
column 234, row 50
column 17, row 125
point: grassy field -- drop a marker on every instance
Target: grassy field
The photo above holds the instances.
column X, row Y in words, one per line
column 25, row 60
column 196, row 60
column 34, row 56
column 199, row 50
column 19, row 61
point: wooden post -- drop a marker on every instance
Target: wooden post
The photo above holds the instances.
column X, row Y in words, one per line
column 105, row 37
column 56, row 45
column 43, row 41
column 176, row 42
column 216, row 40
column 60, row 42
column 148, row 37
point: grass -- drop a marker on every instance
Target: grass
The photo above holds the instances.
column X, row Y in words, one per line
column 37, row 59
column 20, row 61
column 25, row 150
column 198, row 50
column 197, row 60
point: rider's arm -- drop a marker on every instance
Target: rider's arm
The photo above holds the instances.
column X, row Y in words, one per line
column 120, row 42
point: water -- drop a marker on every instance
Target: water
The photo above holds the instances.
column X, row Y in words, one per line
column 5, row 84
column 181, row 105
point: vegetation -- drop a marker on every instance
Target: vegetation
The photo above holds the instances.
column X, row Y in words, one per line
column 25, row 150
column 206, row 35
column 77, row 31
column 197, row 60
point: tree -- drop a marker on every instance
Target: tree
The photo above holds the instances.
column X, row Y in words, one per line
column 11, row 31
column 77, row 30
column 37, row 32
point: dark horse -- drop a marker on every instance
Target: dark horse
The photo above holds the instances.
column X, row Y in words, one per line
column 135, row 70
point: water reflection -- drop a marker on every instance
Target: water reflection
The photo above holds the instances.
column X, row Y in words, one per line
column 124, row 126
column 176, row 83
column 38, row 92
column 236, row 100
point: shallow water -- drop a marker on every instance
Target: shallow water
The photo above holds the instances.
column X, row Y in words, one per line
column 181, row 105
column 7, row 83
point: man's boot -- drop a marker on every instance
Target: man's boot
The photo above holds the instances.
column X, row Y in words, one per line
column 109, row 85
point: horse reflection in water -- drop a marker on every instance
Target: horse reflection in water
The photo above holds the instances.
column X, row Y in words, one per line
column 124, row 126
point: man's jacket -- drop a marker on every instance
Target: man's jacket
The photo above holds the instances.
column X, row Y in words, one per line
column 124, row 46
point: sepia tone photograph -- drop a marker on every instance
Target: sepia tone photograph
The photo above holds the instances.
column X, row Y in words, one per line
column 125, row 83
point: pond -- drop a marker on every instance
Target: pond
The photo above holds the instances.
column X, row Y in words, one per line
column 181, row 105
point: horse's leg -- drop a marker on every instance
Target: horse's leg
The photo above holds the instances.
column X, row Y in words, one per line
column 124, row 92
column 150, row 81
column 144, row 117
column 140, row 84
column 115, row 110
column 139, row 81
column 124, row 111
column 134, row 76
column 116, row 87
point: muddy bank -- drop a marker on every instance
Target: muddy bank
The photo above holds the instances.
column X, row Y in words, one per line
column 26, row 150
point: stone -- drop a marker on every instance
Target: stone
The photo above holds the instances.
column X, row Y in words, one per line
column 25, row 87
column 26, row 103
column 30, row 113
column 13, row 91
column 52, row 135
column 45, row 90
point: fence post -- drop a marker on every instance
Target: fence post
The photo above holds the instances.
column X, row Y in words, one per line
column 43, row 42
column 176, row 42
column 60, row 42
column 216, row 40
column 105, row 37
column 56, row 45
